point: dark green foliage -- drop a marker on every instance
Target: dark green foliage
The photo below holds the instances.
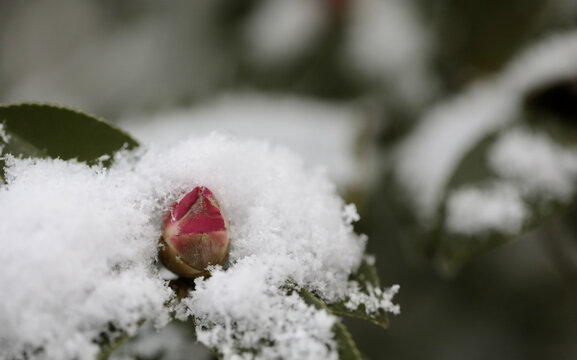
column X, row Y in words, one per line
column 40, row 130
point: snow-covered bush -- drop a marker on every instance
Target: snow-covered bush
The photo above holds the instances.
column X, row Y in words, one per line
column 82, row 210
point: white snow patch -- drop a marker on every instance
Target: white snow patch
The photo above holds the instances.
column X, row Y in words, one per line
column 476, row 210
column 248, row 301
column 79, row 248
column 77, row 253
column 541, row 167
column 350, row 214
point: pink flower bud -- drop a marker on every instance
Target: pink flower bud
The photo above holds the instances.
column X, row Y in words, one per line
column 195, row 235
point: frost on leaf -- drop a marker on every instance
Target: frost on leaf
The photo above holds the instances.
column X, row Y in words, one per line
column 80, row 248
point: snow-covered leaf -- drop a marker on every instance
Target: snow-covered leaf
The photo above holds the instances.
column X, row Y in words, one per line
column 511, row 182
column 496, row 160
column 41, row 130
column 88, row 275
column 368, row 282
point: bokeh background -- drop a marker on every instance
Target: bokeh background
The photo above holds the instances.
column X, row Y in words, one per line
column 343, row 83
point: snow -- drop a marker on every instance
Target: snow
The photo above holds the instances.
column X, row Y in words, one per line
column 425, row 161
column 374, row 299
column 541, row 168
column 324, row 133
column 530, row 166
column 249, row 300
column 480, row 210
column 428, row 158
column 350, row 214
column 79, row 250
column 550, row 60
column 74, row 259
column 102, row 64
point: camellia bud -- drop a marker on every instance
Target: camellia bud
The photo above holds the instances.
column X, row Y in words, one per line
column 195, row 235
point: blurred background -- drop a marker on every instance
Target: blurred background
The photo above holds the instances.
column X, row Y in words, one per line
column 377, row 92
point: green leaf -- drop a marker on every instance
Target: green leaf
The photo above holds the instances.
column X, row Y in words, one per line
column 40, row 130
column 368, row 279
column 347, row 348
column 453, row 250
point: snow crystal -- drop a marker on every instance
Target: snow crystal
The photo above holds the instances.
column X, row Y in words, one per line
column 374, row 299
column 541, row 167
column 427, row 159
column 79, row 249
column 476, row 210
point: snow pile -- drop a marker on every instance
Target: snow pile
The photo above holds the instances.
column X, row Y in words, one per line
column 425, row 162
column 79, row 249
column 475, row 210
column 248, row 302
